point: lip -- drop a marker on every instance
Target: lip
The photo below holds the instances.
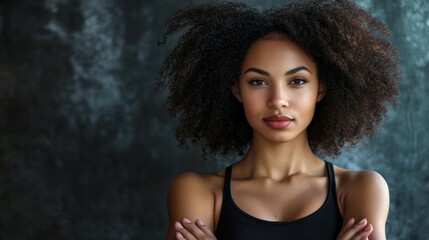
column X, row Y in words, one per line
column 278, row 121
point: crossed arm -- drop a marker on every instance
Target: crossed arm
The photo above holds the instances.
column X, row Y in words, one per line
column 366, row 197
column 363, row 199
column 191, row 201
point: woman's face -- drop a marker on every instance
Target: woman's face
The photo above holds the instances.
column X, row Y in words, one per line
column 279, row 89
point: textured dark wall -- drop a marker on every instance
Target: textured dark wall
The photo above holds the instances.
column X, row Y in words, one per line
column 87, row 148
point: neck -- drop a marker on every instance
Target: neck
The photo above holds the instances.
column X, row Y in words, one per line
column 280, row 160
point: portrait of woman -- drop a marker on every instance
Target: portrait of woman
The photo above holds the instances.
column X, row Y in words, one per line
column 281, row 88
column 207, row 119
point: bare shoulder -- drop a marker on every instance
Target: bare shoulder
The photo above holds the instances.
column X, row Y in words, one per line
column 363, row 194
column 198, row 183
column 362, row 183
column 360, row 180
column 193, row 195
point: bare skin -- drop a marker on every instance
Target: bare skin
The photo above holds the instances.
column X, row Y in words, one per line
column 278, row 78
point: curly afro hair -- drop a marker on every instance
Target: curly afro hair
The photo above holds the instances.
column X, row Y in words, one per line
column 356, row 63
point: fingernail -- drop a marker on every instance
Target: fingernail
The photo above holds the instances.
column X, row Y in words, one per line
column 179, row 235
column 200, row 222
column 185, row 220
column 368, row 227
column 178, row 225
column 351, row 221
column 362, row 221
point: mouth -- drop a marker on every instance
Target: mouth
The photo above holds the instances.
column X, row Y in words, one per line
column 278, row 121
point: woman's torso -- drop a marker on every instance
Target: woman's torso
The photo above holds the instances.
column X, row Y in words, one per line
column 323, row 222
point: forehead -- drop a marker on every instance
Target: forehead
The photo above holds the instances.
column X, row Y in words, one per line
column 277, row 52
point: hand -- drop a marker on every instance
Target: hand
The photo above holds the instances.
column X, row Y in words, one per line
column 355, row 231
column 193, row 231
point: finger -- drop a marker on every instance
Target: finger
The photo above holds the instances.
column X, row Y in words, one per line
column 352, row 231
column 179, row 236
column 364, row 233
column 182, row 232
column 204, row 228
column 193, row 229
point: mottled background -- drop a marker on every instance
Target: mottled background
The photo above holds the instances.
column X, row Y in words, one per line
column 87, row 148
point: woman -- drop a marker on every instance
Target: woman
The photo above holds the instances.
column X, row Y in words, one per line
column 279, row 86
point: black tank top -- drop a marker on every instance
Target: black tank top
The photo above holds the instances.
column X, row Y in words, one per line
column 235, row 224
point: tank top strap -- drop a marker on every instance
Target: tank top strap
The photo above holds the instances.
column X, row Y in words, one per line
column 331, row 178
column 227, row 181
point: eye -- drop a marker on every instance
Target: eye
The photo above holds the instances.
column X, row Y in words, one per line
column 257, row 82
column 298, row 81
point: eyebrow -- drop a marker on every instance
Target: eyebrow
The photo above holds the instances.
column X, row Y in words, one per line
column 290, row 72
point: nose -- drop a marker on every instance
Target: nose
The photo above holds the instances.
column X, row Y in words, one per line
column 278, row 99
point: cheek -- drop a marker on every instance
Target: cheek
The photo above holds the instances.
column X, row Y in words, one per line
column 254, row 108
column 254, row 102
column 304, row 102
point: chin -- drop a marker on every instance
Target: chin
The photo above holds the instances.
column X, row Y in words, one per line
column 279, row 139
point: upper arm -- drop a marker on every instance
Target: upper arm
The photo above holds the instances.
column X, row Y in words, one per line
column 190, row 196
column 368, row 197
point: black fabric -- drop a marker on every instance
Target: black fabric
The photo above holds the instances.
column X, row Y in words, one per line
column 235, row 224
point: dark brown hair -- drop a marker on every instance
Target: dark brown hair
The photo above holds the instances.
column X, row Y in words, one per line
column 356, row 63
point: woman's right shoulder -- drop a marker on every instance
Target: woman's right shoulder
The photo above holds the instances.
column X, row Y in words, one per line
column 193, row 195
column 199, row 182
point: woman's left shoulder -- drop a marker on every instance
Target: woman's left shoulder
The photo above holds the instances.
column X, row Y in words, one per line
column 363, row 194
column 360, row 181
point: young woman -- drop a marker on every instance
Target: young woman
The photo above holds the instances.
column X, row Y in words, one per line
column 278, row 87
